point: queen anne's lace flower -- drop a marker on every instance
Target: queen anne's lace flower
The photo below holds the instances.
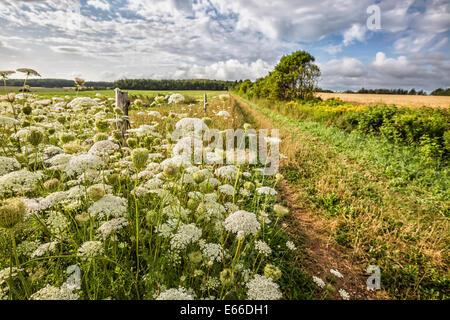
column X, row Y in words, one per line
column 176, row 294
column 344, row 294
column 109, row 206
column 79, row 164
column 44, row 248
column 186, row 234
column 8, row 273
column 263, row 248
column 111, row 226
column 212, row 252
column 227, row 189
column 336, row 273
column 18, row 182
column 53, row 293
column 319, row 282
column 242, row 223
column 291, row 245
column 176, row 98
column 90, row 250
column 103, row 146
column 227, row 172
column 263, row 288
column 267, row 191
column 8, row 164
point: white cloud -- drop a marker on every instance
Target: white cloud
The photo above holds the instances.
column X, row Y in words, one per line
column 344, row 67
column 99, row 4
column 355, row 32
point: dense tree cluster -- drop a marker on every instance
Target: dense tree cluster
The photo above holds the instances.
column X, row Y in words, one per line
column 295, row 77
column 441, row 92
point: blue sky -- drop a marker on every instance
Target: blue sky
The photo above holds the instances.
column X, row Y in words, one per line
column 230, row 40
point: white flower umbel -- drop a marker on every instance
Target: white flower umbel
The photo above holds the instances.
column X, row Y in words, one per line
column 267, row 191
column 102, row 147
column 18, row 182
column 44, row 248
column 212, row 252
column 109, row 206
column 112, row 226
column 319, row 282
column 242, row 223
column 176, row 294
column 263, row 288
column 7, row 165
column 344, row 294
column 263, row 248
column 227, row 189
column 90, row 249
column 176, row 98
column 186, row 234
column 53, row 293
column 336, row 273
column 291, row 245
column 79, row 164
column 227, row 172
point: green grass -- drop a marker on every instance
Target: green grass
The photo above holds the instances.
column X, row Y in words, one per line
column 380, row 200
column 61, row 92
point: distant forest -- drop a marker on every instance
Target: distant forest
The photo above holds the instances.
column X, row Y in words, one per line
column 437, row 92
column 193, row 84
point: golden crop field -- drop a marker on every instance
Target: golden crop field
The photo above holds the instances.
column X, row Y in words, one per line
column 400, row 100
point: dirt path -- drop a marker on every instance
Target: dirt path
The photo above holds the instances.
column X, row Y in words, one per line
column 322, row 251
column 323, row 254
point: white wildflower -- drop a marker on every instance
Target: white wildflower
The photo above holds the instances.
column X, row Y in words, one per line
column 227, row 189
column 336, row 273
column 44, row 248
column 263, row 288
column 111, row 226
column 344, row 294
column 176, row 294
column 291, row 245
column 90, row 250
column 242, row 223
column 8, row 164
column 109, row 206
column 267, row 191
column 53, row 293
column 263, row 248
column 319, row 282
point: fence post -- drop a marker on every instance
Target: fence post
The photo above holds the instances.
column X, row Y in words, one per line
column 123, row 102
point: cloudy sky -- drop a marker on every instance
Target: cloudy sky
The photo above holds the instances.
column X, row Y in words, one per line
column 230, row 39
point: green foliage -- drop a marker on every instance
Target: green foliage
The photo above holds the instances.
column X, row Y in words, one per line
column 295, row 77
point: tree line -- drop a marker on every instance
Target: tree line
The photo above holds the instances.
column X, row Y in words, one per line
column 191, row 84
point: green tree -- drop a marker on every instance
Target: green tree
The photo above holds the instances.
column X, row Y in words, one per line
column 294, row 77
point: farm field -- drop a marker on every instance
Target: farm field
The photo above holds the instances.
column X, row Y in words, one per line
column 400, row 100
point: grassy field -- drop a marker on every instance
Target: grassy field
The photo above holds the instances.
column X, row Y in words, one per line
column 375, row 201
column 400, row 100
column 61, row 92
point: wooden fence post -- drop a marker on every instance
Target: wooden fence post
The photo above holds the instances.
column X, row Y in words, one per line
column 205, row 102
column 123, row 102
